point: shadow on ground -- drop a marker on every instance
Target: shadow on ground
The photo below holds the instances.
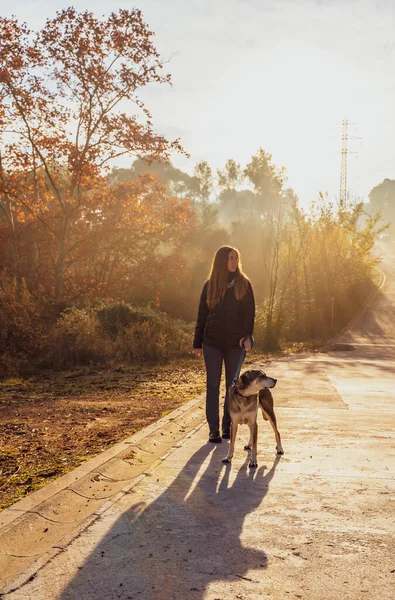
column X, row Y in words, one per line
column 177, row 545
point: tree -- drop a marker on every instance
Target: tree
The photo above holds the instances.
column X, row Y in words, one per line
column 228, row 180
column 204, row 176
column 267, row 180
column 62, row 120
column 138, row 228
column 382, row 198
column 9, row 223
column 179, row 183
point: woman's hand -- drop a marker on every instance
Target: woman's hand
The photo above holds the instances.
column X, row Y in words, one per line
column 198, row 352
column 247, row 343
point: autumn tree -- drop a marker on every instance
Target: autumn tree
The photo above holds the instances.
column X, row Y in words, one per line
column 8, row 226
column 140, row 230
column 69, row 106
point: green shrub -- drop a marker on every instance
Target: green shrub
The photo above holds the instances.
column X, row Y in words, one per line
column 61, row 338
column 129, row 334
column 114, row 318
column 141, row 341
column 76, row 339
column 153, row 340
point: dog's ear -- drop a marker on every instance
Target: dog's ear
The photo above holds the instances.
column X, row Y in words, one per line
column 245, row 379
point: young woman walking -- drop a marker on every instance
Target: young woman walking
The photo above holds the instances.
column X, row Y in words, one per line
column 225, row 322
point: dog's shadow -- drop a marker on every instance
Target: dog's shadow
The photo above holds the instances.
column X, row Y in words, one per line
column 186, row 539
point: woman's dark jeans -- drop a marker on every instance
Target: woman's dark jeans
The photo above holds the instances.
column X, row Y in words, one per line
column 213, row 358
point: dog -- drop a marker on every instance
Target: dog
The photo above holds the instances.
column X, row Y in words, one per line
column 244, row 395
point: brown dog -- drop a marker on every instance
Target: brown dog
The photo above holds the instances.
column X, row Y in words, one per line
column 251, row 389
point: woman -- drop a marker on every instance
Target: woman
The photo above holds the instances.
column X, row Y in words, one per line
column 225, row 323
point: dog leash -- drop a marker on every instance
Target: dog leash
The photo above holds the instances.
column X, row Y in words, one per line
column 242, row 357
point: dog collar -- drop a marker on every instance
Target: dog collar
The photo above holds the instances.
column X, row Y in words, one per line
column 236, row 390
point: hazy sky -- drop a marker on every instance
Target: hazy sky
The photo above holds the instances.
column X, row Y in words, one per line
column 273, row 73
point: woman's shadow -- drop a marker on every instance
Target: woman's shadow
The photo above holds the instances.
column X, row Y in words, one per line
column 187, row 538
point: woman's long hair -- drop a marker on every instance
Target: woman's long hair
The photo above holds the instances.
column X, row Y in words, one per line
column 218, row 279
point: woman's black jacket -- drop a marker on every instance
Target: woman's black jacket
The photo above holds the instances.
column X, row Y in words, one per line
column 225, row 325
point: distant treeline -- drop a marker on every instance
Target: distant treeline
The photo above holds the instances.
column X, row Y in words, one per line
column 98, row 264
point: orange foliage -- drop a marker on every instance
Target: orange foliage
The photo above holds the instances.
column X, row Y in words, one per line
column 60, row 126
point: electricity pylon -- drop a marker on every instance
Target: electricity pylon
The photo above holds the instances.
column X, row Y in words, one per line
column 343, row 166
column 343, row 198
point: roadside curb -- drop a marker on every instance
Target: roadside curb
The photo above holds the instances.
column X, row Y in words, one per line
column 28, row 503
column 30, row 572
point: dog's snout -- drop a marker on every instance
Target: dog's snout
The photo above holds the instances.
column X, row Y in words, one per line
column 275, row 381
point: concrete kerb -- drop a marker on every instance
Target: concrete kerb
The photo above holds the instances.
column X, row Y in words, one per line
column 27, row 504
column 27, row 574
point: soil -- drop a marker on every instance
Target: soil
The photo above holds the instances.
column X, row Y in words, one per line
column 53, row 422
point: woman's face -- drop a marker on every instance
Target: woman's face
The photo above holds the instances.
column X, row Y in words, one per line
column 233, row 261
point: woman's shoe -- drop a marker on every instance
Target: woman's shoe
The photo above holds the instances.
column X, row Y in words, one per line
column 215, row 438
column 226, row 435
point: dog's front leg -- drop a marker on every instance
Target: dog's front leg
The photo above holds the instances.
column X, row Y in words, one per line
column 233, row 433
column 249, row 445
column 254, row 446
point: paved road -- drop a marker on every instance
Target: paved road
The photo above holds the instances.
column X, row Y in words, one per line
column 316, row 524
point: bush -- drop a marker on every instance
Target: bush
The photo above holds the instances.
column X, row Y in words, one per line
column 76, row 339
column 113, row 334
column 61, row 338
column 152, row 340
column 114, row 318
column 20, row 327
column 267, row 335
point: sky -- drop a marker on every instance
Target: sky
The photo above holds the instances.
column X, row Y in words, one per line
column 276, row 74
